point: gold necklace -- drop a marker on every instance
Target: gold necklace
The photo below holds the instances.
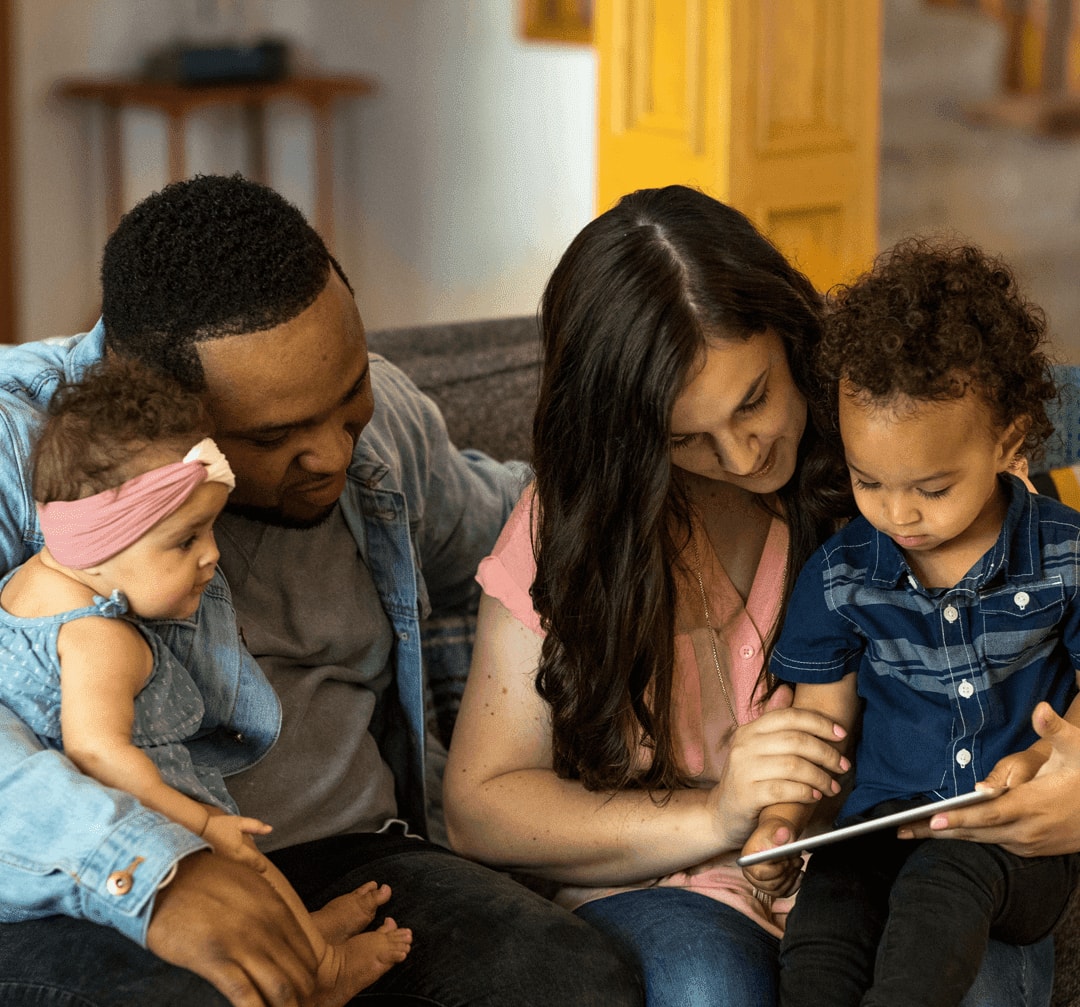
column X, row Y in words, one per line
column 712, row 632
column 763, row 897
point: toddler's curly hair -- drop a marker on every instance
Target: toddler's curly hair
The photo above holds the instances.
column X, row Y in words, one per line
column 932, row 320
column 99, row 428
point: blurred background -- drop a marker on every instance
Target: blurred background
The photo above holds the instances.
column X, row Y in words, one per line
column 485, row 144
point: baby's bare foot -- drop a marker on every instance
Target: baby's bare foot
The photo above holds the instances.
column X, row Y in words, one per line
column 350, row 914
column 353, row 965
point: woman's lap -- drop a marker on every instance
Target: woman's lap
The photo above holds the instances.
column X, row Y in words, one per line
column 692, row 950
column 1014, row 975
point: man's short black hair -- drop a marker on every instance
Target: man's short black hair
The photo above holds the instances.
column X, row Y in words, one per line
column 208, row 257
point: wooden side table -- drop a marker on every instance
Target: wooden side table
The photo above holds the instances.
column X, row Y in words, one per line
column 178, row 101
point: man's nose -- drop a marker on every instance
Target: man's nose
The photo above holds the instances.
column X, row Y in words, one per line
column 330, row 450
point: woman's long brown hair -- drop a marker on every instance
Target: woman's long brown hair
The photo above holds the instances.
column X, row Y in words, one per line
column 625, row 319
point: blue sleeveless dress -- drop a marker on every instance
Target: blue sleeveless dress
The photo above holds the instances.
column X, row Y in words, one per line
column 168, row 710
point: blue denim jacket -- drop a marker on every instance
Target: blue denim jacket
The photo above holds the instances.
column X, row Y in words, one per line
column 423, row 513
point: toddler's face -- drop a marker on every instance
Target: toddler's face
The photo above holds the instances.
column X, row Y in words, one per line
column 926, row 473
column 164, row 573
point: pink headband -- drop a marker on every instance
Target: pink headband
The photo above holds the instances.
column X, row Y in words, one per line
column 80, row 533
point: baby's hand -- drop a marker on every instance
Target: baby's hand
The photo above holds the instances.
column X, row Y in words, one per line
column 774, row 877
column 230, row 835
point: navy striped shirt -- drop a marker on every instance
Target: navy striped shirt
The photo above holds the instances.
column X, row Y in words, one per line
column 949, row 676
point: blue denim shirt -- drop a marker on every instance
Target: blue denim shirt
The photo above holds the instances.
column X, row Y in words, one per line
column 422, row 512
column 949, row 677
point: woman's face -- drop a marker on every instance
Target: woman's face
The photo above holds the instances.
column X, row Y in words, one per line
column 740, row 417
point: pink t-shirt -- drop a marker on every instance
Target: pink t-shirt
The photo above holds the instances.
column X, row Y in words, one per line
column 701, row 718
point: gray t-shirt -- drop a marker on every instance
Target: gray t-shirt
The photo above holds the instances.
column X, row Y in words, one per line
column 310, row 615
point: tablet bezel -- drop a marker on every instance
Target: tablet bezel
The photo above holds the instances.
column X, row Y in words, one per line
column 871, row 825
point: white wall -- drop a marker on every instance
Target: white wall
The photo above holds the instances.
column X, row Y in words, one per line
column 457, row 185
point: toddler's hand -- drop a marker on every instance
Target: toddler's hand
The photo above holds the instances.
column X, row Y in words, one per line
column 1015, row 769
column 774, row 877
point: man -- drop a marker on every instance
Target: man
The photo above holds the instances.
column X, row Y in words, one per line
column 352, row 515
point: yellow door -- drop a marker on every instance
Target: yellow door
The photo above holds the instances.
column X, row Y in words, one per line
column 770, row 105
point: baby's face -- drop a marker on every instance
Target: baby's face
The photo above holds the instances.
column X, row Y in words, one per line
column 164, row 573
column 926, row 473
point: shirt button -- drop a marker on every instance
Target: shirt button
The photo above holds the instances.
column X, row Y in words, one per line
column 963, row 757
column 912, row 581
column 1021, row 598
column 966, row 689
column 951, row 614
column 119, row 883
column 747, row 651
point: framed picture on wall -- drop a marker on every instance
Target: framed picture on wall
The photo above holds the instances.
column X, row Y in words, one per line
column 557, row 20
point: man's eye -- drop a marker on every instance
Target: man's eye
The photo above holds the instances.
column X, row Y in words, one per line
column 268, row 442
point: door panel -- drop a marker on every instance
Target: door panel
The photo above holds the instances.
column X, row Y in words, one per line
column 771, row 105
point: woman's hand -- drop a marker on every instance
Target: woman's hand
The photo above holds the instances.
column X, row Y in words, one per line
column 1038, row 818
column 787, row 755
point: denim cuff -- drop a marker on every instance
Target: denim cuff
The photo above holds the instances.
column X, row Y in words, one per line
column 120, row 878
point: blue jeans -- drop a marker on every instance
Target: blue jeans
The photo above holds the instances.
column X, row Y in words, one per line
column 694, row 951
column 480, row 939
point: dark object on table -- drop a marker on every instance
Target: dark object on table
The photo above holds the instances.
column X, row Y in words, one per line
column 226, row 64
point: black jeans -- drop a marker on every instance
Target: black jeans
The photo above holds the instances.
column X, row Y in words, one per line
column 881, row 920
column 479, row 938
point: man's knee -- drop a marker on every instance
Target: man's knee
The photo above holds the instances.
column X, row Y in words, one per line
column 584, row 966
column 72, row 963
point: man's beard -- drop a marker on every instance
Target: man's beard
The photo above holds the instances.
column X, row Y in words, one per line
column 276, row 517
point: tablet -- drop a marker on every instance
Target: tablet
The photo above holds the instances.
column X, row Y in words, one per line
column 897, row 818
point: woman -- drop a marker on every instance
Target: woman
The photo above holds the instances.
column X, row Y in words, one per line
column 617, row 734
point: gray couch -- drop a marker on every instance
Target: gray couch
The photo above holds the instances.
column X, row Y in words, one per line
column 483, row 375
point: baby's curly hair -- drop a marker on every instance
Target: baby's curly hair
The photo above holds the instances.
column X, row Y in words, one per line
column 930, row 321
column 207, row 257
column 98, row 429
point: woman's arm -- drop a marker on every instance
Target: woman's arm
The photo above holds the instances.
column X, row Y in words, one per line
column 506, row 806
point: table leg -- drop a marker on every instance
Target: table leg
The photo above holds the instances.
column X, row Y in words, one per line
column 175, row 128
column 324, row 172
column 114, row 166
column 255, row 120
